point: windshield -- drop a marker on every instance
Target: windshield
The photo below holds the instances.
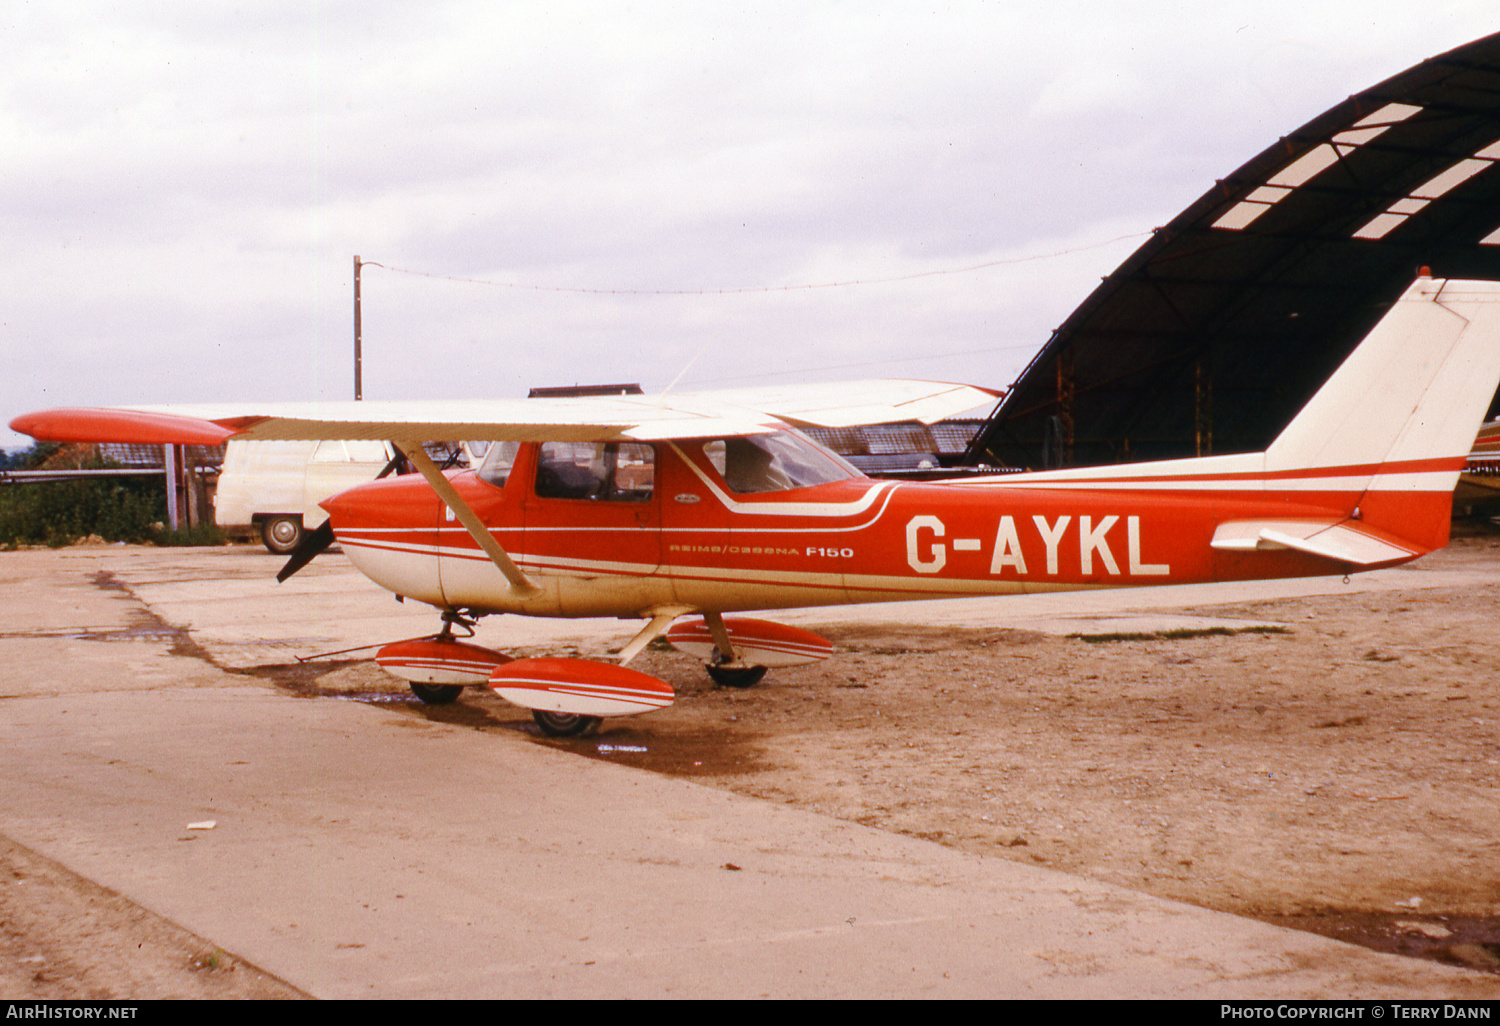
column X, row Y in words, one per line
column 498, row 460
column 774, row 462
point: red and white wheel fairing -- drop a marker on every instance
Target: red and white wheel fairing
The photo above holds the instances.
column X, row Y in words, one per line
column 756, row 642
column 580, row 687
column 435, row 661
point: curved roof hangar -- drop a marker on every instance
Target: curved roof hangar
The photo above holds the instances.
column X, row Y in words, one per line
column 1212, row 335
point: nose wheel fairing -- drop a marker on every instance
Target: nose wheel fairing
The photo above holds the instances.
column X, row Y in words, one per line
column 440, row 661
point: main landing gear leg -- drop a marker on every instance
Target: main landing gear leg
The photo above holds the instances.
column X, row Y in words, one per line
column 724, row 665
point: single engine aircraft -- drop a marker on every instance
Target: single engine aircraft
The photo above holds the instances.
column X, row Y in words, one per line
column 682, row 510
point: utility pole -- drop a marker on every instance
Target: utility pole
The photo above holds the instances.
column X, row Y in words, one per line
column 358, row 357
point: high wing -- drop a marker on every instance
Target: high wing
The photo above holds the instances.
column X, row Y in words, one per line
column 735, row 412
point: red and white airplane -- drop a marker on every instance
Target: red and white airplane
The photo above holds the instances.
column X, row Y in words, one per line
column 683, row 509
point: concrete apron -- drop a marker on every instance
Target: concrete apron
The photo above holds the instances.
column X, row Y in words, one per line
column 357, row 853
column 361, row 853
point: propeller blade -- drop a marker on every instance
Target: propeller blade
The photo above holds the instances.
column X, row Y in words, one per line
column 312, row 543
column 317, row 540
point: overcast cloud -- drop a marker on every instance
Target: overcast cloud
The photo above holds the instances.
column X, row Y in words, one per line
column 185, row 185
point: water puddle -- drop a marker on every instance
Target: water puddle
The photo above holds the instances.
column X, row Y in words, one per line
column 1472, row 942
column 145, row 625
column 144, row 632
column 678, row 753
column 368, row 697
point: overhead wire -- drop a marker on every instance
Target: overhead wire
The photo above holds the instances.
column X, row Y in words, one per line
column 746, row 290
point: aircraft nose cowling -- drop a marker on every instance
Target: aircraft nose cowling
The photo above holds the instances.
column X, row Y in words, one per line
column 389, row 530
column 335, row 507
column 389, row 502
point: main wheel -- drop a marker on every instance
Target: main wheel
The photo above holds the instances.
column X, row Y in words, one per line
column 736, row 676
column 281, row 534
column 436, row 694
column 556, row 724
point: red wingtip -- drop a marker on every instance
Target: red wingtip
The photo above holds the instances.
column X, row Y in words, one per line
column 97, row 425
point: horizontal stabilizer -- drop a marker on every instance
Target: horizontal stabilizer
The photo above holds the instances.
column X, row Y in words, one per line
column 1342, row 541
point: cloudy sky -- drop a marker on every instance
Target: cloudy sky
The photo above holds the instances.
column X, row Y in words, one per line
column 581, row 192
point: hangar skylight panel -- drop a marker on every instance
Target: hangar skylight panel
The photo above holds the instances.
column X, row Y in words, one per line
column 1439, row 185
column 1312, row 163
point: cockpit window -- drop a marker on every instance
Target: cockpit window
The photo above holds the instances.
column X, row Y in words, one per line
column 498, row 460
column 608, row 471
column 774, row 462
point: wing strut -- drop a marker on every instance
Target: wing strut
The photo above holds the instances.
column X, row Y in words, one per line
column 466, row 516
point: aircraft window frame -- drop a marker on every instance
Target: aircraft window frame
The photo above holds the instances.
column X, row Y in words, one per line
column 498, row 463
column 615, row 472
column 778, row 461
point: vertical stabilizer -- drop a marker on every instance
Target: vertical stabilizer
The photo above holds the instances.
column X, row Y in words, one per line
column 1414, row 391
column 1395, row 422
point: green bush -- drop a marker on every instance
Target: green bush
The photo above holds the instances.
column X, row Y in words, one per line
column 59, row 513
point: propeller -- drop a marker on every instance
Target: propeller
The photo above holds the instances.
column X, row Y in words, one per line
column 318, row 539
column 312, row 543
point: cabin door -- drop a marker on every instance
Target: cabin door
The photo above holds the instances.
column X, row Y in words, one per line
column 593, row 521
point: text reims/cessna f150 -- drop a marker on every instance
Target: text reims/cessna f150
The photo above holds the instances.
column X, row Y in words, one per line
column 699, row 506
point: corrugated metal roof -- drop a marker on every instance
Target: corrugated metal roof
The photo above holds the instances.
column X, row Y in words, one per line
column 144, row 456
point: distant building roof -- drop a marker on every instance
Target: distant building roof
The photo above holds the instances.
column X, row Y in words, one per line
column 574, row 391
column 152, row 456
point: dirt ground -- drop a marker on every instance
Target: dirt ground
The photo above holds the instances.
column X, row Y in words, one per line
column 1337, row 773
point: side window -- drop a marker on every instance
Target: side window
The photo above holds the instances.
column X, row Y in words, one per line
column 774, row 462
column 601, row 471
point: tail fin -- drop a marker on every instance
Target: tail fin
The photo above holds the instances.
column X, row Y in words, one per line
column 1377, row 451
column 1395, row 422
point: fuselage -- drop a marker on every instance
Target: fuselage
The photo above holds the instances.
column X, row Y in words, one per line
column 670, row 531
